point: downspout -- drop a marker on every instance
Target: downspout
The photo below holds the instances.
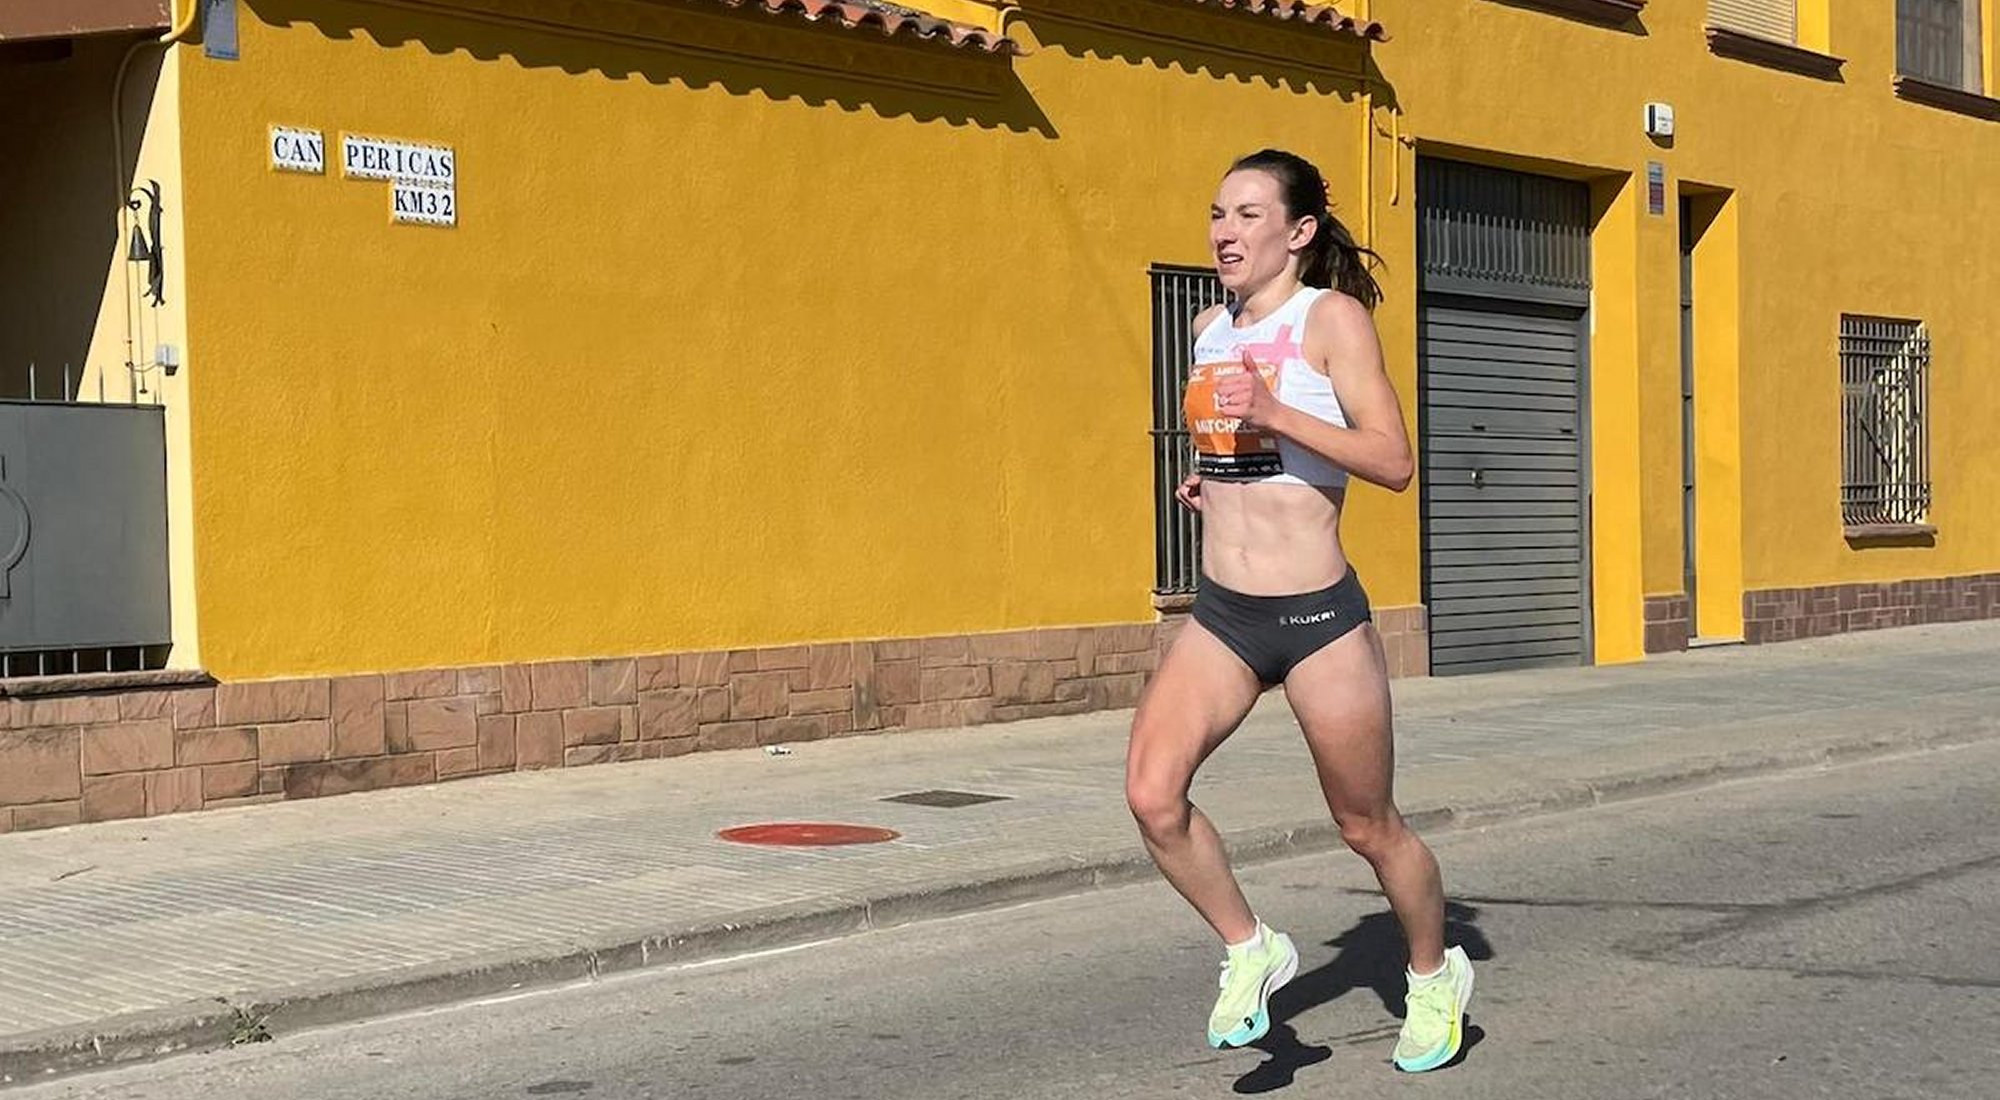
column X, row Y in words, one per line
column 1001, row 13
column 181, row 26
column 1362, row 13
column 1004, row 13
column 1370, row 131
column 1367, row 163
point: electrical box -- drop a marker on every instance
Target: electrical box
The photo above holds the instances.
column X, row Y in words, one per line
column 1659, row 120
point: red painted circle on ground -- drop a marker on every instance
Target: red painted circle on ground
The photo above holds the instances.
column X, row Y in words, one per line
column 807, row 834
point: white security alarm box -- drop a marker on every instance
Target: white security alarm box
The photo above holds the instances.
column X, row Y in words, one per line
column 1659, row 120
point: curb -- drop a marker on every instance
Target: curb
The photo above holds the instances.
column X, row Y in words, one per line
column 217, row 1024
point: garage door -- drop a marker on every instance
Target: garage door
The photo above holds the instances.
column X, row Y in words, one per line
column 1502, row 418
column 1503, row 486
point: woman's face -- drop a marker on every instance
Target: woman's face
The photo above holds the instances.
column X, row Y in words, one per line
column 1249, row 233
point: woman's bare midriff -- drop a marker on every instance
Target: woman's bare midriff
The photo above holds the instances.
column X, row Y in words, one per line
column 1271, row 539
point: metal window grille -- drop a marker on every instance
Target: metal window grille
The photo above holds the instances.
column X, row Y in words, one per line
column 1486, row 227
column 1885, row 444
column 1179, row 293
column 69, row 662
column 1930, row 40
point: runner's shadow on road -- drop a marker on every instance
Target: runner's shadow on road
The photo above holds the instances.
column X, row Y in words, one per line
column 1371, row 956
column 1287, row 1057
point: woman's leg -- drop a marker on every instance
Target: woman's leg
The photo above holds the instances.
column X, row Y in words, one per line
column 1341, row 697
column 1196, row 699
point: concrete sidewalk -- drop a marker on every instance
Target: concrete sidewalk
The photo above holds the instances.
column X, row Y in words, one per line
column 134, row 939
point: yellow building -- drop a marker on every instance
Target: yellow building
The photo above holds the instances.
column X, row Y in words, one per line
column 543, row 382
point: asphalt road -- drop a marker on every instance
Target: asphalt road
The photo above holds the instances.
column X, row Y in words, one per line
column 1819, row 934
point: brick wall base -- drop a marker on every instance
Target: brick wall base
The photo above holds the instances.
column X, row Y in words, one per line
column 100, row 748
column 1406, row 639
column 1785, row 614
column 1667, row 625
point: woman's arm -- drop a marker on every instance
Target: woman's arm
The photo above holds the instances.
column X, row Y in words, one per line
column 1374, row 445
column 1189, row 493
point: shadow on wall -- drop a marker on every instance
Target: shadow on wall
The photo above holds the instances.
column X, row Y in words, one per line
column 60, row 217
column 1240, row 46
column 745, row 52
column 1614, row 15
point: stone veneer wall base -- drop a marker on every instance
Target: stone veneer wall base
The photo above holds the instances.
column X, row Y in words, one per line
column 1786, row 614
column 101, row 748
column 1667, row 626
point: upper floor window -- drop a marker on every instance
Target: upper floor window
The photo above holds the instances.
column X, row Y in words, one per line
column 1937, row 41
column 1768, row 32
column 1777, row 20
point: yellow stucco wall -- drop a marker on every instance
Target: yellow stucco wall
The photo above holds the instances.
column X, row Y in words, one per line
column 779, row 335
column 718, row 354
column 1989, row 16
column 1718, row 367
column 158, row 157
column 1843, row 199
column 1621, row 333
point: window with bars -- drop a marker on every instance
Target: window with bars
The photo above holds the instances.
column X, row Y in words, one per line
column 1937, row 41
column 1884, row 407
column 1179, row 293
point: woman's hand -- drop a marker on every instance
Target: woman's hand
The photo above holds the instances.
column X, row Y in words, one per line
column 1189, row 494
column 1245, row 397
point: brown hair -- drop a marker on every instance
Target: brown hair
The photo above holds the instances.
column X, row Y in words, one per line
column 1331, row 258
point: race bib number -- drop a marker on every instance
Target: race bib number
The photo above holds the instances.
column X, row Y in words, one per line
column 1223, row 447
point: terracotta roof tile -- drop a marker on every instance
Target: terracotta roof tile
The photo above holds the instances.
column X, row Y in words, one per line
column 1312, row 15
column 886, row 19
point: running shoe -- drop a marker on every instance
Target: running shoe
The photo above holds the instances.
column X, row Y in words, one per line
column 1249, row 976
column 1434, row 1015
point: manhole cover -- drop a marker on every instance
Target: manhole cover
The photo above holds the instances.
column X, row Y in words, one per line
column 807, row 834
column 949, row 800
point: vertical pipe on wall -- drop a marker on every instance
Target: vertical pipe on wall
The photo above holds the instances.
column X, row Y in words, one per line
column 181, row 26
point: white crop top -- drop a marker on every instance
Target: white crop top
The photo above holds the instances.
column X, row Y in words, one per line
column 1224, row 448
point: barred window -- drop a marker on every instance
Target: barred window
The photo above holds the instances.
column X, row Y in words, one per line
column 1178, row 294
column 1885, row 441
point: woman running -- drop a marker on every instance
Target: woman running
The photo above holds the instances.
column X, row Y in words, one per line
column 1287, row 395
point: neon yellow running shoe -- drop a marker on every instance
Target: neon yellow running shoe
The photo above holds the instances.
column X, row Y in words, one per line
column 1249, row 976
column 1434, row 1016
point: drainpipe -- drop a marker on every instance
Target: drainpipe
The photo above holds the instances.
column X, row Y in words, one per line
column 1002, row 12
column 182, row 24
column 1362, row 11
column 1367, row 163
column 1369, row 132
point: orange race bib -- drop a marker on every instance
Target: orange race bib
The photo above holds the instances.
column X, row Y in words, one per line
column 1223, row 447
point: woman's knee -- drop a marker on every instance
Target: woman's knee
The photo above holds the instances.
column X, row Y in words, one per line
column 1373, row 835
column 1158, row 804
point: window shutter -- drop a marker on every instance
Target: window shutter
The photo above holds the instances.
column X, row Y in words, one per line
column 1777, row 20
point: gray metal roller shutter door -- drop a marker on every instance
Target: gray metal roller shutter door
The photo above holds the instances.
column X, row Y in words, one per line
column 1503, row 455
